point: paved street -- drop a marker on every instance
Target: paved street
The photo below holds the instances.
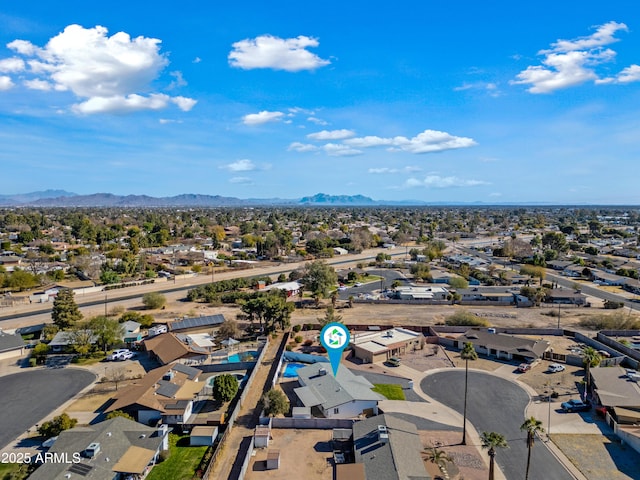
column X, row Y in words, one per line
column 496, row 405
column 28, row 397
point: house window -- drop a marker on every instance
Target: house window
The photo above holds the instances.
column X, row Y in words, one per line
column 336, row 411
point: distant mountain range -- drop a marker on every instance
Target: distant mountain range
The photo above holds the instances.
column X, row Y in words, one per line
column 62, row 198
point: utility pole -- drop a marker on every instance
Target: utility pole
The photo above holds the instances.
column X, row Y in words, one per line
column 105, row 304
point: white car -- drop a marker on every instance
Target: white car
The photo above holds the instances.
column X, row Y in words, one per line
column 126, row 356
column 116, row 354
column 555, row 368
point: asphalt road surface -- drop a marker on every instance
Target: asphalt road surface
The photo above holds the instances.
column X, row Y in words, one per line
column 497, row 405
column 28, row 397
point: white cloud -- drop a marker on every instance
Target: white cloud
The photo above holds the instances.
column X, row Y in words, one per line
column 436, row 181
column 241, row 181
column 262, row 117
column 5, row 83
column 317, row 121
column 387, row 170
column 179, row 80
column 37, row 84
column 569, row 63
column 267, row 51
column 197, row 60
column 425, row 142
column 338, row 150
column 332, row 134
column 302, row 147
column 12, row 65
column 244, row 165
column 131, row 103
column 106, row 72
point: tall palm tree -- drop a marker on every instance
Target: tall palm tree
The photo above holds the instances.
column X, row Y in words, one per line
column 532, row 426
column 590, row 358
column 440, row 458
column 468, row 353
column 492, row 440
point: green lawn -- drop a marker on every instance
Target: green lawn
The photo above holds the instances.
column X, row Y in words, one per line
column 182, row 462
column 13, row 471
column 390, row 391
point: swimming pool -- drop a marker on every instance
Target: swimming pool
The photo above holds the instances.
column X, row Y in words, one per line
column 248, row 356
column 291, row 370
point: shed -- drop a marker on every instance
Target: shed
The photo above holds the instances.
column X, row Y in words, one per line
column 261, row 436
column 273, row 459
column 203, row 436
column 301, row 412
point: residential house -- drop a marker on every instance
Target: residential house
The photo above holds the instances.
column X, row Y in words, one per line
column 171, row 347
column 389, row 448
column 166, row 393
column 114, row 449
column 64, row 340
column 573, row 271
column 131, row 333
column 344, row 396
column 495, row 295
column 421, row 293
column 605, row 278
column 507, row 347
column 196, row 324
column 371, row 347
column 565, row 296
column 11, row 346
column 291, row 288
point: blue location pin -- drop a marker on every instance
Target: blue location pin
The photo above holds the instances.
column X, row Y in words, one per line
column 334, row 337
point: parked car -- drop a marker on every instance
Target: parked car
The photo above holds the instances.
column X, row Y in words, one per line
column 116, row 354
column 555, row 368
column 526, row 366
column 126, row 356
column 575, row 405
column 393, row 362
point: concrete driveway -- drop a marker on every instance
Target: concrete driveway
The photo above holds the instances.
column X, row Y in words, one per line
column 28, row 397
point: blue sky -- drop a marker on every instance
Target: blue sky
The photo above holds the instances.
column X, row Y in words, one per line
column 498, row 102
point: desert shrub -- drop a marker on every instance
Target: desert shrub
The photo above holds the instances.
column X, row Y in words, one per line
column 611, row 321
column 298, row 339
column 288, row 348
column 465, row 318
column 297, row 328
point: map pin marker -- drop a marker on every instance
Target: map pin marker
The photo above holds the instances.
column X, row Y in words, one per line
column 334, row 337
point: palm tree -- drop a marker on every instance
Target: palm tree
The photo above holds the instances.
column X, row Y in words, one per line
column 492, row 440
column 468, row 353
column 532, row 426
column 440, row 458
column 590, row 358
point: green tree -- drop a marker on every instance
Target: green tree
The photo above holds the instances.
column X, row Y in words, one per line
column 145, row 321
column 153, row 300
column 81, row 339
column 590, row 358
column 119, row 413
column 458, row 282
column 532, row 426
column 318, row 277
column 109, row 277
column 225, row 387
column 65, row 312
column 275, row 402
column 492, row 440
column 107, row 331
column 270, row 309
column 52, row 428
column 21, row 280
column 468, row 353
column 39, row 352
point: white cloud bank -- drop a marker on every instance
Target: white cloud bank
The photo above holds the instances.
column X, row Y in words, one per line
column 267, row 51
column 426, row 142
column 332, row 134
column 244, row 165
column 262, row 117
column 569, row 63
column 436, row 181
column 106, row 72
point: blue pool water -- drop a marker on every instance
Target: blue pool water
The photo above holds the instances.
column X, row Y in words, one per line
column 248, row 356
column 291, row 369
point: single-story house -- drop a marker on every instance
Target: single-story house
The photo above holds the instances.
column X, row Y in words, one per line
column 389, row 448
column 607, row 278
column 371, row 347
column 116, row 448
column 291, row 288
column 131, row 332
column 421, row 293
column 632, row 285
column 613, row 389
column 507, row 347
column 11, row 345
column 165, row 393
column 344, row 396
column 573, row 271
column 500, row 295
column 64, row 340
column 171, row 347
column 565, row 296
column 196, row 323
